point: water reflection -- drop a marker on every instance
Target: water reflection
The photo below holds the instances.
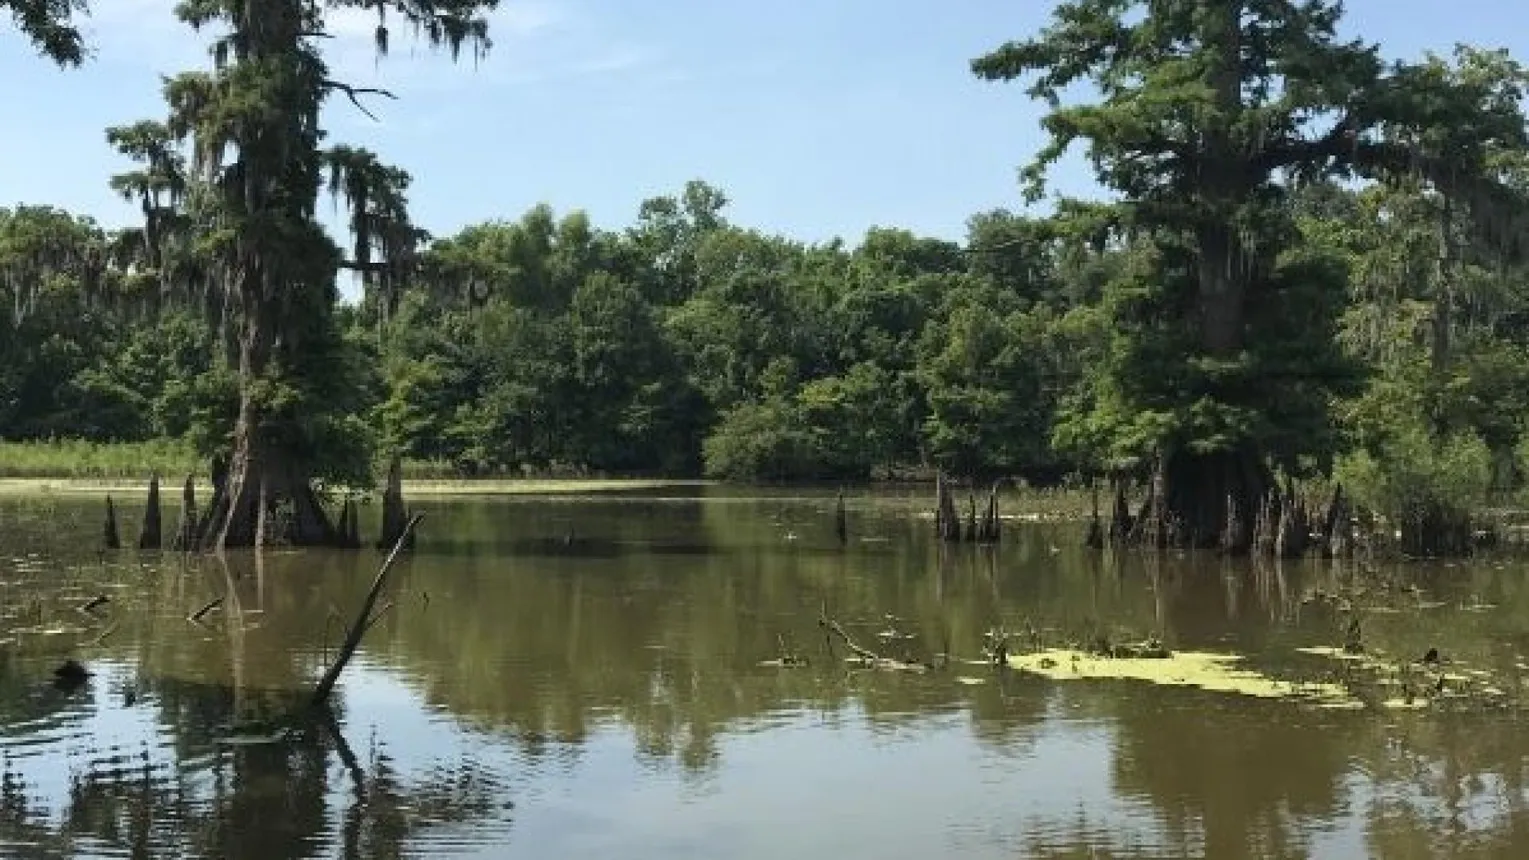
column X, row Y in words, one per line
column 581, row 677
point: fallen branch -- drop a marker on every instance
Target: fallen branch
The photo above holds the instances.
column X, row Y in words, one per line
column 867, row 655
column 196, row 617
column 90, row 606
column 377, row 616
column 364, row 618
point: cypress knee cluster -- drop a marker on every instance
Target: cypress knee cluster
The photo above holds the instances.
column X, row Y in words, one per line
column 947, row 520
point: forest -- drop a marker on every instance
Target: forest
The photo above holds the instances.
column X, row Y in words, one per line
column 1307, row 262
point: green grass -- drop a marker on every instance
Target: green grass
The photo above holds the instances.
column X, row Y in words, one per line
column 74, row 466
column 78, row 460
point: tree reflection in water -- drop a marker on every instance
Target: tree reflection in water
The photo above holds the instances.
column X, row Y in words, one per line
column 631, row 665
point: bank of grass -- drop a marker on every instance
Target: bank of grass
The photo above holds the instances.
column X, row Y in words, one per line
column 122, row 469
column 76, row 460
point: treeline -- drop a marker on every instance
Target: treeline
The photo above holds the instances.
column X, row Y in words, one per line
column 687, row 344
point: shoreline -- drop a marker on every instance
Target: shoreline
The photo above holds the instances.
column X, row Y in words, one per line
column 432, row 487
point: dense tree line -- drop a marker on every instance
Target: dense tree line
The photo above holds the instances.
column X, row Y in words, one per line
column 686, row 344
column 1310, row 261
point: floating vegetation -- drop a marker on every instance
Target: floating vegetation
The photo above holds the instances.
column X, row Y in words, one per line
column 1414, row 684
column 1219, row 673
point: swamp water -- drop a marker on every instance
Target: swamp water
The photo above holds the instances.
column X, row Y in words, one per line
column 592, row 676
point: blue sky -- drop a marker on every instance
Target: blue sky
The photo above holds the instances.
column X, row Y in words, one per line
column 817, row 117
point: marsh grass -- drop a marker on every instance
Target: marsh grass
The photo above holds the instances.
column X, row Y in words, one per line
column 77, row 459
column 123, row 468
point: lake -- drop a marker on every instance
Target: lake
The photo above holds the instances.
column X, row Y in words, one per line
column 599, row 676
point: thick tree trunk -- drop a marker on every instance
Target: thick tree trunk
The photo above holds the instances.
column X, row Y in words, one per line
column 261, row 479
column 270, row 501
column 1196, row 492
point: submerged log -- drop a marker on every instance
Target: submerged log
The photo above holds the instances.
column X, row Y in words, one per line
column 185, row 533
column 365, row 617
column 109, row 535
column 394, row 515
column 149, row 537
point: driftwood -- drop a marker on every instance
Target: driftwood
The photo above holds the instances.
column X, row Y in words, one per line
column 365, row 617
column 109, row 534
column 149, row 537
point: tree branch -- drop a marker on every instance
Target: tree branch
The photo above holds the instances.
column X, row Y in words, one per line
column 354, row 94
column 368, row 266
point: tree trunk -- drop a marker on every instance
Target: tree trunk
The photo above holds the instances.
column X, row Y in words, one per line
column 1196, row 490
column 1210, row 499
column 1223, row 269
column 260, row 478
column 151, row 532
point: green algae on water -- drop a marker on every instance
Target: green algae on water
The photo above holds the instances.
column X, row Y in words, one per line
column 1218, row 673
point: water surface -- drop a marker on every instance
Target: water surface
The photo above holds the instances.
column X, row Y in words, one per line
column 567, row 676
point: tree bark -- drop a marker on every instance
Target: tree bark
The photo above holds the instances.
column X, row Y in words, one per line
column 261, row 478
column 1202, row 489
column 1196, row 491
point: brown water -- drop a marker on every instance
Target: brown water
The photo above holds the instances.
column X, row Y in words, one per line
column 580, row 677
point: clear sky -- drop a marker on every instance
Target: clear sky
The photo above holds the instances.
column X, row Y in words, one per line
column 817, row 117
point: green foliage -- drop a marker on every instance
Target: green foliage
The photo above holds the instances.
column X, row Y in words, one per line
column 49, row 24
column 1414, row 473
column 1235, row 295
column 768, row 440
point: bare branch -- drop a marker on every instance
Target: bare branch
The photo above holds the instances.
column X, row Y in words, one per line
column 354, row 94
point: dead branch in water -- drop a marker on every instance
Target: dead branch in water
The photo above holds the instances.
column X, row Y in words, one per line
column 196, row 617
column 870, row 657
column 364, row 619
column 377, row 616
